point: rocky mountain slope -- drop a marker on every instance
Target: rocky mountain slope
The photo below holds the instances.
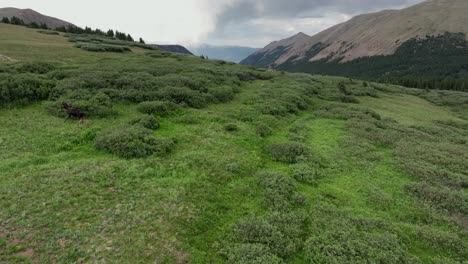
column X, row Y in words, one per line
column 30, row 16
column 367, row 35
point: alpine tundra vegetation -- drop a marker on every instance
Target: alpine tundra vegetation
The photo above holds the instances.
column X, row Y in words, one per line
column 182, row 159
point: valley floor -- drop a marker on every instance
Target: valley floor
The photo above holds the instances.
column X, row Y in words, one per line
column 224, row 164
column 63, row 201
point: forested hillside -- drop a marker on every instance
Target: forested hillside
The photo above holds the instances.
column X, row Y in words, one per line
column 431, row 62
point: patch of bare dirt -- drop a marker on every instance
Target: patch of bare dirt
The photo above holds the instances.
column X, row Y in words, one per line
column 27, row 253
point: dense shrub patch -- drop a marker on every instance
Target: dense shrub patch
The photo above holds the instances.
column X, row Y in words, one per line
column 147, row 121
column 35, row 67
column 102, row 48
column 279, row 189
column 222, row 94
column 25, row 87
column 129, row 141
column 157, row 107
column 93, row 105
column 440, row 197
column 290, row 152
column 306, row 173
column 251, row 254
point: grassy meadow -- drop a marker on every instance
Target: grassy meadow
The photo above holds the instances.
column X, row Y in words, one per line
column 186, row 160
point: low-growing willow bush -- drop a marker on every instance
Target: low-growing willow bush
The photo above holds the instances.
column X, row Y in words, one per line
column 440, row 197
column 306, row 173
column 35, row 67
column 157, row 107
column 93, row 105
column 349, row 246
column 281, row 232
column 349, row 99
column 251, row 253
column 25, row 87
column 129, row 141
column 222, row 94
column 263, row 130
column 289, row 152
column 184, row 95
column 102, row 47
column 279, row 189
column 147, row 121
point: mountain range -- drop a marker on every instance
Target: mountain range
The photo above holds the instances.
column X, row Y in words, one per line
column 227, row 53
column 365, row 45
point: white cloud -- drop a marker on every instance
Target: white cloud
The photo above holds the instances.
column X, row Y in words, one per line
column 175, row 21
column 228, row 22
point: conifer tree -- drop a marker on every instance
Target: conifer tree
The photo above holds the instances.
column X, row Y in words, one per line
column 16, row 21
column 110, row 33
column 6, row 20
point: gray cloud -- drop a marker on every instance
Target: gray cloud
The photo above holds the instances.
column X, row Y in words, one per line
column 238, row 16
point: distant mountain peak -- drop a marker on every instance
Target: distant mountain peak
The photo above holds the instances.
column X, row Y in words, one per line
column 29, row 16
column 368, row 35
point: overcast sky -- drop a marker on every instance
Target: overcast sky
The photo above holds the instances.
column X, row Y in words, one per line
column 252, row 23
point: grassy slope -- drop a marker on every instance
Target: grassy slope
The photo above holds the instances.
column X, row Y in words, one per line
column 63, row 201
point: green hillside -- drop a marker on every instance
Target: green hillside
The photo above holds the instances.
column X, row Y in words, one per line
column 436, row 62
column 185, row 160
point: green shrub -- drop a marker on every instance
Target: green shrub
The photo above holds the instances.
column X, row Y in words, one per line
column 281, row 232
column 279, row 189
column 147, row 121
column 251, row 254
column 263, row 130
column 156, row 107
column 90, row 134
column 343, row 89
column 440, row 197
column 349, row 99
column 231, row 127
column 273, row 107
column 131, row 142
column 93, row 105
column 298, row 132
column 35, row 67
column 345, row 246
column 222, row 94
column 183, row 95
column 24, row 87
column 102, row 48
column 290, row 152
column 305, row 173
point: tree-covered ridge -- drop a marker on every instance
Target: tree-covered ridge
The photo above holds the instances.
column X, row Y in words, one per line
column 71, row 29
column 432, row 62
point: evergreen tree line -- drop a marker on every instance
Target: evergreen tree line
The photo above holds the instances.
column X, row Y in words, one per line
column 433, row 62
column 73, row 29
column 18, row 21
